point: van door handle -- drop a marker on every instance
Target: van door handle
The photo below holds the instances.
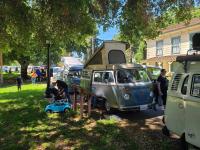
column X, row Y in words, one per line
column 180, row 105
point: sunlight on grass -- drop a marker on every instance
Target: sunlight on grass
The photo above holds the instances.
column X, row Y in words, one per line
column 107, row 121
column 25, row 125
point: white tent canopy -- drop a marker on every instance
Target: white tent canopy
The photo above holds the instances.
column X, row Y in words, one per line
column 71, row 61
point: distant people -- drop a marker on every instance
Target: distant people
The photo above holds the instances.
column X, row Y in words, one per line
column 63, row 89
column 43, row 74
column 39, row 75
column 19, row 83
column 162, row 83
column 33, row 77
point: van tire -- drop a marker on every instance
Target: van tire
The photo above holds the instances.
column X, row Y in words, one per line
column 166, row 131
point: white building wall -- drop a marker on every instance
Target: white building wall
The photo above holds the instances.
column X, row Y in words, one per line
column 151, row 49
column 185, row 44
column 166, row 37
column 167, row 47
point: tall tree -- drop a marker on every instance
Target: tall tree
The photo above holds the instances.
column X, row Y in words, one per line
column 27, row 24
column 143, row 19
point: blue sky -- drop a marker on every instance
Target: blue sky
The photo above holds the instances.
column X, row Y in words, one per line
column 108, row 35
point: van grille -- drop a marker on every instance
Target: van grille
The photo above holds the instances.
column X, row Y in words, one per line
column 176, row 82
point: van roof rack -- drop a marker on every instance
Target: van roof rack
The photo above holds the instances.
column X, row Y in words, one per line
column 192, row 55
column 188, row 58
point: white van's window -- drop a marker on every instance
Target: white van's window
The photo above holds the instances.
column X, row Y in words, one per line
column 195, row 91
column 132, row 75
column 98, row 76
column 184, row 86
column 108, row 77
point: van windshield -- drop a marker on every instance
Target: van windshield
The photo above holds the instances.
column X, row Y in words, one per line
column 75, row 74
column 153, row 72
column 132, row 76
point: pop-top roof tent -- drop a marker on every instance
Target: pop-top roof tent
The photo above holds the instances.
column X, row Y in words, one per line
column 109, row 53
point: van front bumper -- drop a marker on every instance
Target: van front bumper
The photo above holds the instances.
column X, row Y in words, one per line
column 138, row 107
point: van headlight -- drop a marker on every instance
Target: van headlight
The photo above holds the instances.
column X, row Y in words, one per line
column 126, row 96
column 151, row 94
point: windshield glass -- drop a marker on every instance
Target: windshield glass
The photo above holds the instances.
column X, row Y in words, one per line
column 132, row 76
column 153, row 72
column 75, row 74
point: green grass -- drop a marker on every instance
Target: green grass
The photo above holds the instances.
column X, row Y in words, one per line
column 8, row 76
column 25, row 125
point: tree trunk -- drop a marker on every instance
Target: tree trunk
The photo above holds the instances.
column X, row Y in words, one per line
column 1, row 67
column 24, row 62
column 24, row 74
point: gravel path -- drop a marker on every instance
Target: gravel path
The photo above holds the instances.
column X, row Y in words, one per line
column 145, row 128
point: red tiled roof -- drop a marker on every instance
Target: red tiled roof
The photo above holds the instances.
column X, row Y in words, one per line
column 194, row 21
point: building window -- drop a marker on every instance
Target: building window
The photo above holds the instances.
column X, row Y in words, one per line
column 176, row 45
column 191, row 36
column 159, row 48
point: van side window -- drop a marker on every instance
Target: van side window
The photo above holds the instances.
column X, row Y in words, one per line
column 98, row 76
column 108, row 77
column 184, row 86
column 195, row 90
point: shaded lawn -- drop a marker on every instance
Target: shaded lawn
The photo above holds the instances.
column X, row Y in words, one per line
column 10, row 76
column 25, row 125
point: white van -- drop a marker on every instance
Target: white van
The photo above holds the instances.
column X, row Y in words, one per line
column 182, row 114
column 55, row 73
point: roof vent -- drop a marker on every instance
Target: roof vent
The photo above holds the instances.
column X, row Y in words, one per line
column 176, row 82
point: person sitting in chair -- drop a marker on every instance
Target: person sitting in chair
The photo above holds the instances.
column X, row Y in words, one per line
column 63, row 90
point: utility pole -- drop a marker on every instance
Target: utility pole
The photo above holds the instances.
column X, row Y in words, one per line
column 48, row 69
column 93, row 44
column 1, row 67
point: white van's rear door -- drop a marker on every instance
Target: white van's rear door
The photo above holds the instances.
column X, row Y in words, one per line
column 174, row 113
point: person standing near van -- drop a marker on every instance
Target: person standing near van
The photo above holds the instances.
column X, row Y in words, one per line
column 39, row 75
column 162, row 83
column 33, row 77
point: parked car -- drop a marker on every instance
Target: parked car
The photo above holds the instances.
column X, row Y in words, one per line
column 115, row 83
column 182, row 114
column 72, row 77
column 127, row 87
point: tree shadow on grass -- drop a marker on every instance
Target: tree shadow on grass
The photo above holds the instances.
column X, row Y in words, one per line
column 25, row 125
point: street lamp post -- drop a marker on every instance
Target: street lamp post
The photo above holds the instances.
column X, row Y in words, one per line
column 48, row 68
